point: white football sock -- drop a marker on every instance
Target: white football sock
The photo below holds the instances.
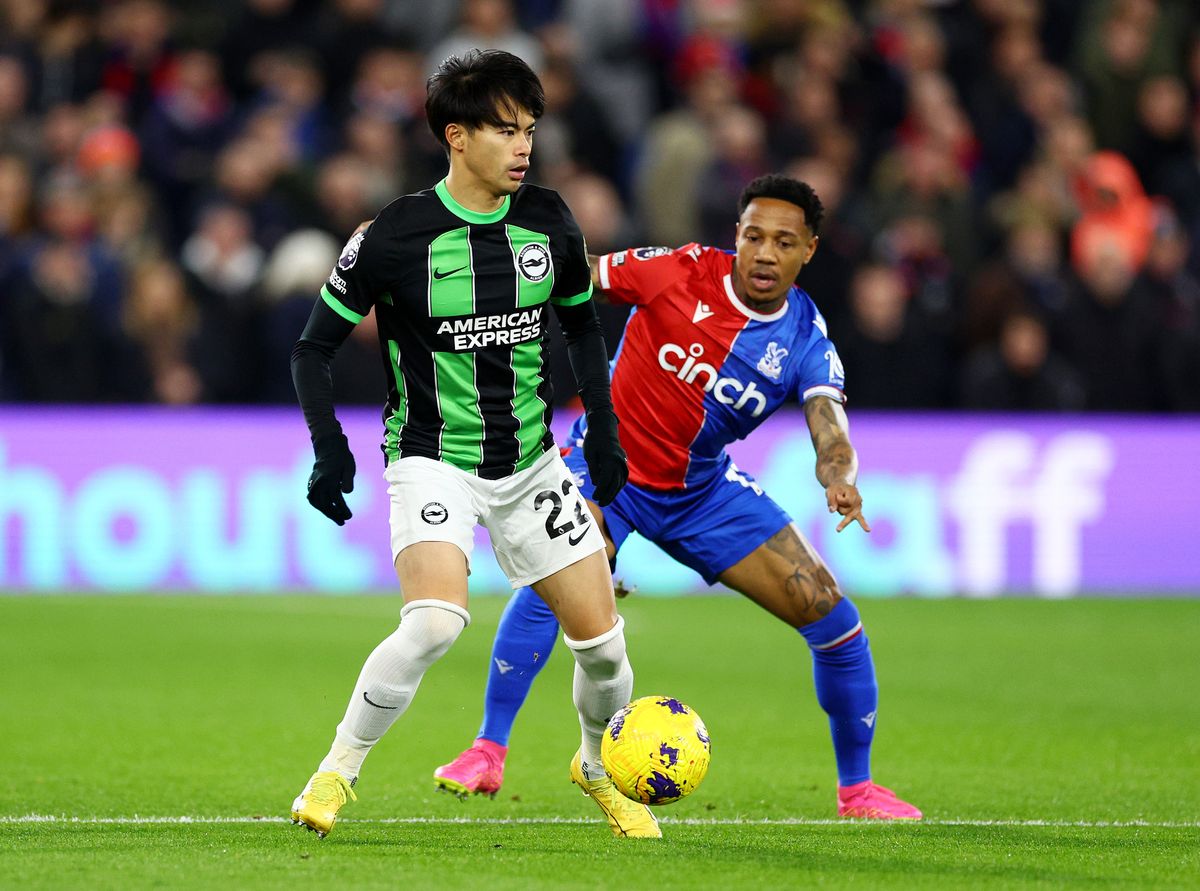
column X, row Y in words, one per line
column 603, row 683
column 390, row 678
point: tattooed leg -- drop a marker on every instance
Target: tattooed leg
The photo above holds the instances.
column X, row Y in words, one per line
column 786, row 577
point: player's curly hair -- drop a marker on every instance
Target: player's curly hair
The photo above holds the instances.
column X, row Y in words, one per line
column 784, row 188
column 479, row 87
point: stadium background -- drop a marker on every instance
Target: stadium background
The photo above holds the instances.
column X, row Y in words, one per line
column 1009, row 267
column 1013, row 227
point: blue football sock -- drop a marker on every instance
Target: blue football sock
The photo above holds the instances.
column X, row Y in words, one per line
column 845, row 680
column 523, row 643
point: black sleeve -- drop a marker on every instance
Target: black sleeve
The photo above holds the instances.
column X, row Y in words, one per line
column 311, row 356
column 363, row 272
column 573, row 283
column 588, row 354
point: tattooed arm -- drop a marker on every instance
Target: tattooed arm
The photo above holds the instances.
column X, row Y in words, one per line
column 837, row 462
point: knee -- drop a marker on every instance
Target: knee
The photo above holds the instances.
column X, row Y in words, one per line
column 812, row 595
column 602, row 656
column 431, row 626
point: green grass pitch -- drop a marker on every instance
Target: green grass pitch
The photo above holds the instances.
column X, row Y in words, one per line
column 1051, row 744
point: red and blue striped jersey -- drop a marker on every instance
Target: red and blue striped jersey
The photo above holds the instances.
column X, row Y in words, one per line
column 697, row 368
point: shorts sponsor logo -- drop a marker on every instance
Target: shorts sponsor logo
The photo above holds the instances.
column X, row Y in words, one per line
column 469, row 333
column 534, row 262
column 350, row 252
column 434, row 514
column 337, row 281
column 649, row 253
column 685, row 365
column 736, row 476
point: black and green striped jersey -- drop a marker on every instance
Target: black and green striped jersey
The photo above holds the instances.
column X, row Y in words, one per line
column 460, row 300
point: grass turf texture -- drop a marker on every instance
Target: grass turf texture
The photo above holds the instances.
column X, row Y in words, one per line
column 1011, row 710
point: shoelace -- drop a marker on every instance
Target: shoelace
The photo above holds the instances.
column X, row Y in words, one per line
column 329, row 789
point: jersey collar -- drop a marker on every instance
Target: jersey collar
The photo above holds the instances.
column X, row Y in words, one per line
column 470, row 216
column 747, row 311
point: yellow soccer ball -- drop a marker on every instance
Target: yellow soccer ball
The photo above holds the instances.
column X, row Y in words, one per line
column 656, row 750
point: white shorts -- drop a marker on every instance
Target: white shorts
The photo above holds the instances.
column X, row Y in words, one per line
column 538, row 521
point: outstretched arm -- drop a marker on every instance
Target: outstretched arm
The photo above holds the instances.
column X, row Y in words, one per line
column 837, row 462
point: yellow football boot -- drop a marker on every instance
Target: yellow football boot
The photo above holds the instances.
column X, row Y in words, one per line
column 318, row 805
column 628, row 819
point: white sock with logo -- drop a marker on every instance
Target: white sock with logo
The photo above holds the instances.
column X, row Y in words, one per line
column 389, row 680
column 603, row 683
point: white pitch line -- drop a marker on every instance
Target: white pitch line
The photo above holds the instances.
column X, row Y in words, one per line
column 138, row 820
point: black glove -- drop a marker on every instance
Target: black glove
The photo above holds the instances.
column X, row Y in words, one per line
column 604, row 456
column 333, row 474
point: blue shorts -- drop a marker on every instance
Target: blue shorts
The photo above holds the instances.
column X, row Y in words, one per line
column 708, row 528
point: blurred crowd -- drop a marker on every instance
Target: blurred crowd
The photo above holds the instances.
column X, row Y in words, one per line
column 1012, row 187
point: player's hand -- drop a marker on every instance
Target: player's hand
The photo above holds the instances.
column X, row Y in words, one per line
column 844, row 499
column 604, row 456
column 333, row 474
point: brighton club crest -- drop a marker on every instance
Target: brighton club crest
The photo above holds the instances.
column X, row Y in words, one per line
column 771, row 364
column 534, row 262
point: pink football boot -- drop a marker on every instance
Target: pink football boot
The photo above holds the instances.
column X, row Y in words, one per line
column 868, row 801
column 479, row 770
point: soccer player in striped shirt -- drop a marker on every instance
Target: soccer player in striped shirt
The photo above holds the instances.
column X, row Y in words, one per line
column 459, row 277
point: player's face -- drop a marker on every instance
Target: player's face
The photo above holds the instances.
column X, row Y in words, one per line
column 773, row 243
column 497, row 157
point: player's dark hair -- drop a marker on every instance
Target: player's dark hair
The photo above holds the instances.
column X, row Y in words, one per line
column 784, row 188
column 481, row 87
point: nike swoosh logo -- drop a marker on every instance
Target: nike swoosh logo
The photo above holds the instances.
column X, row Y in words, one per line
column 439, row 275
column 574, row 540
column 390, row 708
